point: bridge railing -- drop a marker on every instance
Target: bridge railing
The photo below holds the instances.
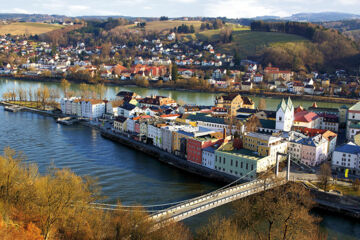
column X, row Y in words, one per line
column 205, row 197
column 221, row 201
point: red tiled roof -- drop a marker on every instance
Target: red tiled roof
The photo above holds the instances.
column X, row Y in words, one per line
column 170, row 115
column 305, row 116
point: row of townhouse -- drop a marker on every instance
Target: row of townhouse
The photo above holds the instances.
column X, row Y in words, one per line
column 87, row 108
column 311, row 150
column 200, row 145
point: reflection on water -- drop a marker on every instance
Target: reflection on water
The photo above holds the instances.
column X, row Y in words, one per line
column 186, row 96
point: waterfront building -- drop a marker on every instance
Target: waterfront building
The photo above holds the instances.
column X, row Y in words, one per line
column 181, row 136
column 130, row 125
column 92, row 108
column 155, row 133
column 66, row 105
column 285, row 115
column 208, row 156
column 195, row 146
column 126, row 96
column 241, row 162
column 353, row 121
column 232, row 102
column 347, row 156
column 119, row 124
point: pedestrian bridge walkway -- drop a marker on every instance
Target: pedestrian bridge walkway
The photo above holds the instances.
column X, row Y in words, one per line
column 212, row 200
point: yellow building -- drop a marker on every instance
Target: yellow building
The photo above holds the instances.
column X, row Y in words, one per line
column 232, row 102
column 264, row 144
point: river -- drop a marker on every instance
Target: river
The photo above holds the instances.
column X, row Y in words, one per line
column 189, row 97
column 123, row 174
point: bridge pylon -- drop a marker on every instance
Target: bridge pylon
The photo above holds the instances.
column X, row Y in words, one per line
column 288, row 165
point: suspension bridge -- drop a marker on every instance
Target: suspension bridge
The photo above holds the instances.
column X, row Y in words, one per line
column 181, row 210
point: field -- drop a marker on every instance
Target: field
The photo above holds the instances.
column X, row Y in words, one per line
column 160, row 26
column 214, row 35
column 20, row 28
column 248, row 43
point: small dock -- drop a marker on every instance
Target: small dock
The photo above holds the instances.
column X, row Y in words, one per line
column 67, row 120
column 13, row 108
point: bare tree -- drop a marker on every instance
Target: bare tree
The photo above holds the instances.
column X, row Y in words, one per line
column 262, row 104
column 325, row 175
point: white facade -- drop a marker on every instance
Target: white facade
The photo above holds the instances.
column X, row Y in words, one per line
column 130, row 125
column 92, row 108
column 128, row 113
column 295, row 150
column 285, row 115
column 347, row 157
column 353, row 120
column 156, row 134
column 208, row 158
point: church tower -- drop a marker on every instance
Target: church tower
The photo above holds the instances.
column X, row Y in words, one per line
column 285, row 115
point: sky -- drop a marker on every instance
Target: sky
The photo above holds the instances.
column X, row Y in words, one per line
column 179, row 8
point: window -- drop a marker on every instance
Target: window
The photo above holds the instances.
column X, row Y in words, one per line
column 224, row 160
column 231, row 163
column 247, row 166
column 236, row 163
column 280, row 118
column 241, row 164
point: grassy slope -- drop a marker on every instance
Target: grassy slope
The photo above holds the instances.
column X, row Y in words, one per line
column 249, row 43
column 20, row 28
column 167, row 25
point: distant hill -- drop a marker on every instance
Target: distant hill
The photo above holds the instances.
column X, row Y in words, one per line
column 31, row 17
column 321, row 17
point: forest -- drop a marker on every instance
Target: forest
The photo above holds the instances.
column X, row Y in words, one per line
column 327, row 50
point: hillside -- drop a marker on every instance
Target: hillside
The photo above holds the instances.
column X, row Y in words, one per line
column 161, row 26
column 20, row 28
column 249, row 43
column 326, row 50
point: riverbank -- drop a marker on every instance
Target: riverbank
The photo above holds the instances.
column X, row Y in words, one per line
column 169, row 158
column 345, row 205
column 253, row 93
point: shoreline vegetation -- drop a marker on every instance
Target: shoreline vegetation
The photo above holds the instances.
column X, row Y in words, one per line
column 258, row 93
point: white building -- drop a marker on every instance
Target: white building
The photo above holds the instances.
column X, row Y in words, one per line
column 353, row 121
column 155, row 134
column 92, row 108
column 285, row 115
column 128, row 110
column 347, row 156
column 130, row 125
column 208, row 157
